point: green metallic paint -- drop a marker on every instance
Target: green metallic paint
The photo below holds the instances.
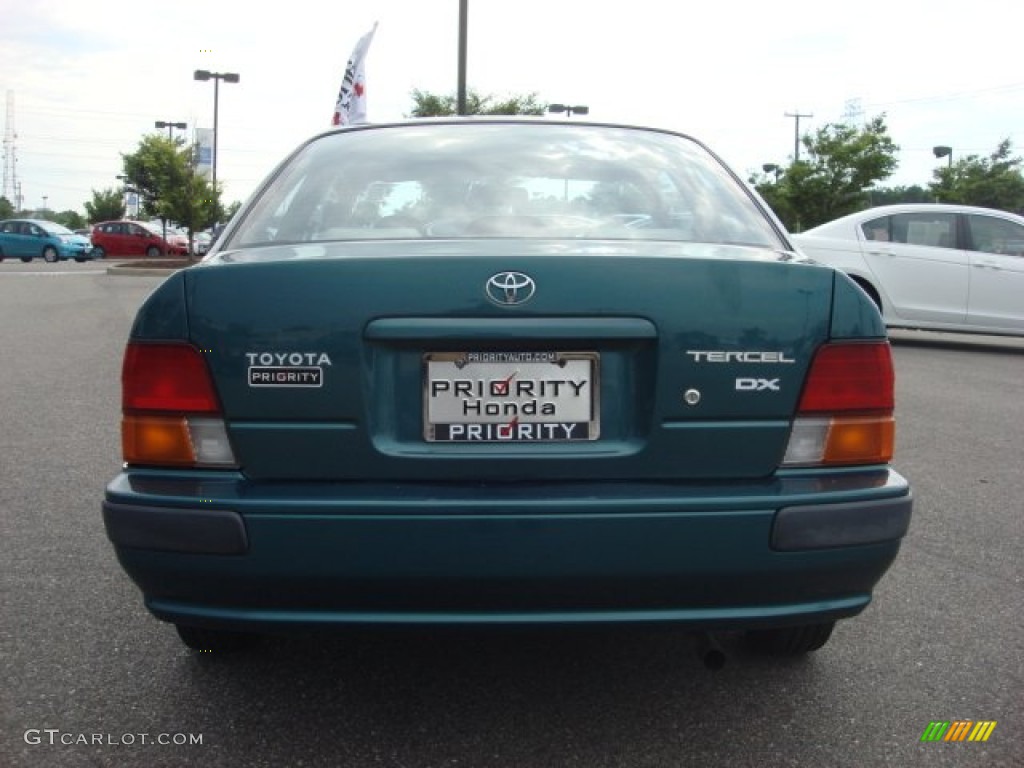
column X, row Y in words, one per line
column 854, row 315
column 350, row 517
column 375, row 313
column 163, row 315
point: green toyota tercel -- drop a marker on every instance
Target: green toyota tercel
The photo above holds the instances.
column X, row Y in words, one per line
column 506, row 372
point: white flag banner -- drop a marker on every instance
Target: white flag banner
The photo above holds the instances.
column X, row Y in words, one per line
column 351, row 105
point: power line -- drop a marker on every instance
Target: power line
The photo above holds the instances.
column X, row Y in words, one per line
column 951, row 96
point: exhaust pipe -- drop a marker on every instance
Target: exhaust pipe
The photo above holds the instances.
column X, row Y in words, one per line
column 710, row 652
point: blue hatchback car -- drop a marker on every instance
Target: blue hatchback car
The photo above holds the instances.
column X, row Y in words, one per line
column 507, row 372
column 27, row 239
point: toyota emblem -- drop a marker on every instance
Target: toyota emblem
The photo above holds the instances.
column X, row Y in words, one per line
column 510, row 288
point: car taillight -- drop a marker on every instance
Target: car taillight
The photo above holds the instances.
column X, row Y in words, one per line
column 845, row 416
column 171, row 414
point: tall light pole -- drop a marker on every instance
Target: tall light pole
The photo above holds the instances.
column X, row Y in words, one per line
column 170, row 127
column 578, row 109
column 227, row 77
column 460, row 88
column 946, row 152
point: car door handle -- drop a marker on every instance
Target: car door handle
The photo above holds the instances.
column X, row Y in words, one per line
column 987, row 265
column 879, row 252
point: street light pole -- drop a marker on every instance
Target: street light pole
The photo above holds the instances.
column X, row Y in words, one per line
column 946, row 152
column 772, row 168
column 942, row 151
column 460, row 90
column 227, row 77
column 170, row 127
column 579, row 109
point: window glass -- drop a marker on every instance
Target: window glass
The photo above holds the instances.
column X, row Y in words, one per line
column 53, row 228
column 878, row 229
column 504, row 180
column 935, row 230
column 990, row 234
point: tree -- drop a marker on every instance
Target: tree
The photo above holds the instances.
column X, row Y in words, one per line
column 841, row 165
column 6, row 208
column 106, row 205
column 152, row 169
column 426, row 104
column 161, row 170
column 70, row 219
column 895, row 195
column 992, row 182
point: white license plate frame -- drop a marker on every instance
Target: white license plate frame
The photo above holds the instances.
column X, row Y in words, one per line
column 508, row 397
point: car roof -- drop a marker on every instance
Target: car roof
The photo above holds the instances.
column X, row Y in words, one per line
column 843, row 223
column 502, row 120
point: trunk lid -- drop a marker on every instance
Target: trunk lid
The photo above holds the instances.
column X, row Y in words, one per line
column 326, row 358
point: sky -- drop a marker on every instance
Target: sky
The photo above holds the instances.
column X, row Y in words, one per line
column 85, row 82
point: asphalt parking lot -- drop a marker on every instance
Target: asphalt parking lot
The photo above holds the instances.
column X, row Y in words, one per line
column 90, row 679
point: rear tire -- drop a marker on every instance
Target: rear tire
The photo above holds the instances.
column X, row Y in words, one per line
column 50, row 255
column 206, row 640
column 98, row 252
column 791, row 641
column 26, row 259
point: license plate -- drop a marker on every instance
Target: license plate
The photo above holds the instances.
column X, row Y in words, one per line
column 510, row 397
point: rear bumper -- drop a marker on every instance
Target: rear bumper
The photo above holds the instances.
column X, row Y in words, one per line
column 219, row 551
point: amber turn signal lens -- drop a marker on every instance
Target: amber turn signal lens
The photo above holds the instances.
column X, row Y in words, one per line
column 860, row 440
column 156, row 440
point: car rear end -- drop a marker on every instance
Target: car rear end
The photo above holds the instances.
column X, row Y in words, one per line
column 513, row 430
column 77, row 247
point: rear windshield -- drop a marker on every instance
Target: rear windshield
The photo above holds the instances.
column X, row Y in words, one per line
column 483, row 180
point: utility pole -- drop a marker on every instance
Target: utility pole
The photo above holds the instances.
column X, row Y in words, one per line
column 796, row 133
column 460, row 90
column 10, row 181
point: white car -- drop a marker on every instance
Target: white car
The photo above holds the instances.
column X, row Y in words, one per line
column 201, row 243
column 175, row 237
column 931, row 266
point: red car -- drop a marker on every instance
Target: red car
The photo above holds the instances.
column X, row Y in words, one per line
column 131, row 238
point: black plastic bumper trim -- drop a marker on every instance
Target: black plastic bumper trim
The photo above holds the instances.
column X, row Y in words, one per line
column 195, row 531
column 822, row 526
